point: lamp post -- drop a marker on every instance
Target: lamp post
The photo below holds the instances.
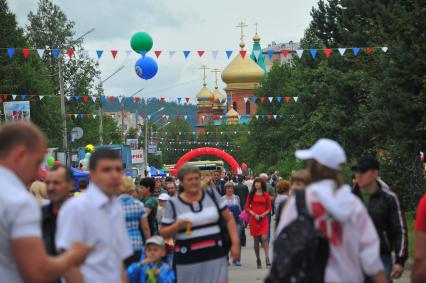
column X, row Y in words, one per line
column 100, row 110
column 146, row 139
column 62, row 96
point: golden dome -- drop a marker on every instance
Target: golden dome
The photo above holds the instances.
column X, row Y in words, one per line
column 204, row 96
column 232, row 113
column 256, row 37
column 218, row 96
column 242, row 73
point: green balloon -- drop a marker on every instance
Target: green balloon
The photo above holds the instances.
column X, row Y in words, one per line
column 141, row 41
column 50, row 161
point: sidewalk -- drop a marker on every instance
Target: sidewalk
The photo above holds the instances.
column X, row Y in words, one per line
column 249, row 273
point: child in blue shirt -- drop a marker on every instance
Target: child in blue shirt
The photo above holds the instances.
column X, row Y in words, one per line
column 152, row 269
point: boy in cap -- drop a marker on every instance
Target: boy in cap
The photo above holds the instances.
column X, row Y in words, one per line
column 152, row 268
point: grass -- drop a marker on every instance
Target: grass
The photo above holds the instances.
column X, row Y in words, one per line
column 410, row 216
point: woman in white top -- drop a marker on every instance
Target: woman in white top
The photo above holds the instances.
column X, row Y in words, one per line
column 339, row 216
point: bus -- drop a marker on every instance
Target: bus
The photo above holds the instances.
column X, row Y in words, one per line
column 206, row 167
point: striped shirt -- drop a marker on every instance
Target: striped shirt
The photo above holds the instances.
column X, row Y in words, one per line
column 203, row 241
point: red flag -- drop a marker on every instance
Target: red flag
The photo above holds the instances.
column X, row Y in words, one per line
column 111, row 99
column 200, row 53
column 327, row 52
column 137, row 99
column 162, row 99
column 236, row 99
column 157, row 53
column 5, row 96
column 85, row 98
column 243, row 53
column 268, row 117
column 368, row 50
column 69, row 116
column 88, row 116
column 212, row 99
column 25, row 52
column 287, row 99
column 187, row 99
column 262, row 99
column 284, row 52
column 114, row 53
column 70, row 52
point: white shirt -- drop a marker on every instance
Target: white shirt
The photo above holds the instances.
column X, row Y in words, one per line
column 354, row 243
column 20, row 217
column 95, row 220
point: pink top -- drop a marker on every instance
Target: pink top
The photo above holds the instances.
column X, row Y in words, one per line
column 354, row 243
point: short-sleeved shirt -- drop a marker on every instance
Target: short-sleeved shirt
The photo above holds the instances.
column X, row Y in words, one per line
column 420, row 225
column 95, row 219
column 20, row 218
column 151, row 203
column 203, row 241
column 134, row 211
column 234, row 206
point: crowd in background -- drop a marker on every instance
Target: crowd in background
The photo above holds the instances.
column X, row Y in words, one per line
column 191, row 228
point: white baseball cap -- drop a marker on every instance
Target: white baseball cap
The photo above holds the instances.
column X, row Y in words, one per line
column 164, row 196
column 155, row 240
column 327, row 152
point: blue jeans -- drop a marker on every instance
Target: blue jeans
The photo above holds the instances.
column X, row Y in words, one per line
column 387, row 263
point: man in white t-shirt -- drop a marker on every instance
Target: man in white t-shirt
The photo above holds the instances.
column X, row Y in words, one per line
column 22, row 254
column 96, row 218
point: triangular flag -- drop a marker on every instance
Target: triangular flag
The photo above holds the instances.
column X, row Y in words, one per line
column 228, row 53
column 245, row 99
column 10, row 52
column 40, row 53
column 85, row 98
column 55, row 53
column 172, row 53
column 270, row 99
column 342, row 51
column 94, row 116
column 184, row 117
column 186, row 53
column 111, row 99
column 82, row 116
column 275, row 117
column 200, row 53
column 99, row 53
column 313, row 52
column 70, row 52
column 137, row 100
column 85, row 54
column 128, row 52
column 76, row 98
column 385, row 49
column 254, row 99
column 327, row 52
column 279, row 99
column 179, row 99
column 284, row 52
column 75, row 116
column 149, row 117
column 368, row 50
column 299, row 52
column 5, row 96
column 14, row 96
column 26, row 52
column 257, row 117
column 88, row 116
column 296, row 98
column 262, row 99
column 114, row 53
column 68, row 97
column 215, row 53
column 120, row 98
column 270, row 54
column 157, row 53
column 243, row 53
column 93, row 98
column 41, row 97
column 355, row 50
column 103, row 98
column 256, row 54
column 187, row 99
column 287, row 99
column 23, row 97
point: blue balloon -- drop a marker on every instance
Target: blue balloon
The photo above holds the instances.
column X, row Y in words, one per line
column 146, row 67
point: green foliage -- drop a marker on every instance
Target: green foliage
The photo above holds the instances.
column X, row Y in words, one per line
column 368, row 103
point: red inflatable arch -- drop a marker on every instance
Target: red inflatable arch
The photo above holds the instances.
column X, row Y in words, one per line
column 207, row 151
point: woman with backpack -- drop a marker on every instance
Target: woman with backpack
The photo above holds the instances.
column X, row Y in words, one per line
column 259, row 207
column 325, row 233
column 196, row 219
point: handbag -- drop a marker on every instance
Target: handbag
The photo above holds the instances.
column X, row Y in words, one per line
column 222, row 224
column 245, row 216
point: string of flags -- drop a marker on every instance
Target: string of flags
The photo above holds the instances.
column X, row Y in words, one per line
column 189, row 142
column 139, row 99
column 182, row 117
column 115, row 53
column 204, row 133
column 189, row 149
column 208, row 143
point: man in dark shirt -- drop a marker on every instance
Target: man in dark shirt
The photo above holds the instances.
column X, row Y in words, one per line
column 59, row 184
column 241, row 191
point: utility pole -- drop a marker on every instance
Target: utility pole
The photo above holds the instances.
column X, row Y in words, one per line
column 123, row 134
column 63, row 113
column 145, row 158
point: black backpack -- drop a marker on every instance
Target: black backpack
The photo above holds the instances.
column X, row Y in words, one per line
column 300, row 253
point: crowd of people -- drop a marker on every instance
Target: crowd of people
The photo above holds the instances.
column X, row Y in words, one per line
column 311, row 228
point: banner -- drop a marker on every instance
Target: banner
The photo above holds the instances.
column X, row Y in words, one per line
column 152, row 147
column 137, row 156
column 17, row 111
column 133, row 143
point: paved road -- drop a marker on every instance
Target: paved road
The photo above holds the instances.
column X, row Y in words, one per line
column 248, row 273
